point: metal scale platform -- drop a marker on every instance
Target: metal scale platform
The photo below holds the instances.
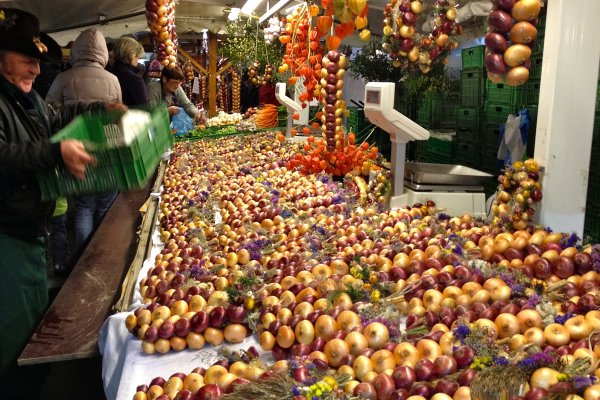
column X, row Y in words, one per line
column 455, row 188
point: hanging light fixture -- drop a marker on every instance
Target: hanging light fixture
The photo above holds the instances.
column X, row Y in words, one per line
column 250, row 6
column 279, row 5
column 234, row 13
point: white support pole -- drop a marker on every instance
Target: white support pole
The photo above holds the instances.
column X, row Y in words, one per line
column 566, row 110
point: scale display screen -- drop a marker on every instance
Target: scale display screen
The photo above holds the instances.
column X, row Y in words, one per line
column 373, row 96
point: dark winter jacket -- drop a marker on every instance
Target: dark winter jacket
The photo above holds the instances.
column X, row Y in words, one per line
column 132, row 84
column 26, row 123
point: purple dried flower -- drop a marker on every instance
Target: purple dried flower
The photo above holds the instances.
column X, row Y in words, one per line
column 561, row 319
column 536, row 360
column 533, row 301
column 499, row 360
column 581, row 382
column 442, row 216
column 569, row 241
column 458, row 250
column 296, row 391
column 286, row 214
column 461, row 332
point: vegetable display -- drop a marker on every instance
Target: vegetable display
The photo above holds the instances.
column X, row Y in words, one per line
column 511, row 34
column 161, row 21
column 408, row 48
column 353, row 300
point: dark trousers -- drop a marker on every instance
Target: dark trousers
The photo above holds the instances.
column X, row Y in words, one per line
column 59, row 240
column 23, row 301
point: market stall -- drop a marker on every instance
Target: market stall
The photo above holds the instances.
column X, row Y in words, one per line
column 298, row 263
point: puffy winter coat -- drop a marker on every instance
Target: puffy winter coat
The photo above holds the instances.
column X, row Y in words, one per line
column 87, row 81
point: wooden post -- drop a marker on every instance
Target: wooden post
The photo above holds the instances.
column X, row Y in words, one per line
column 212, row 74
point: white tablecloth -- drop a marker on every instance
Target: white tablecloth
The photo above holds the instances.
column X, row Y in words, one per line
column 125, row 365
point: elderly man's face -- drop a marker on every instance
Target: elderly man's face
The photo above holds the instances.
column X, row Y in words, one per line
column 19, row 69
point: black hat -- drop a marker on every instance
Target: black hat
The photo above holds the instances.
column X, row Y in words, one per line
column 20, row 32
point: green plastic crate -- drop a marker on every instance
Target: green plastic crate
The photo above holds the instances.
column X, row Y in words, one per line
column 592, row 222
column 356, row 119
column 160, row 131
column 468, row 118
column 500, row 93
column 593, row 192
column 496, row 114
column 439, row 151
column 529, row 93
column 124, row 167
column 535, row 70
column 489, row 162
column 448, row 118
column 472, row 57
column 468, row 135
column 420, row 150
column 429, row 111
column 491, row 136
column 472, row 87
column 467, row 153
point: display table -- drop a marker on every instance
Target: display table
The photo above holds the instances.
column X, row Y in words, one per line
column 69, row 329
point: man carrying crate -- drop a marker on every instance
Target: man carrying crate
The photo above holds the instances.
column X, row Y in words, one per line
column 26, row 124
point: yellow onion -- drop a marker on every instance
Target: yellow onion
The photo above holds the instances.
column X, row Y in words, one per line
column 557, row 335
column 544, row 378
column 335, row 350
column 377, row 335
column 362, row 365
column 578, row 327
column 517, row 76
column 429, row 349
column 357, row 342
column 592, row 392
column 406, row 354
column 529, row 318
column 507, row 325
column 526, row 10
column 535, row 336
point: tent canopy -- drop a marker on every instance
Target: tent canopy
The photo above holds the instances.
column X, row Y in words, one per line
column 64, row 19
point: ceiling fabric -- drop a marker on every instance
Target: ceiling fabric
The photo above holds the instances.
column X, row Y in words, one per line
column 191, row 15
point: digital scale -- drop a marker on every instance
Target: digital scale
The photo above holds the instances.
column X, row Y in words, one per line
column 455, row 188
column 291, row 105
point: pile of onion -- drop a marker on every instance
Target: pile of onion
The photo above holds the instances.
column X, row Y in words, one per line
column 332, row 82
column 511, row 33
column 161, row 21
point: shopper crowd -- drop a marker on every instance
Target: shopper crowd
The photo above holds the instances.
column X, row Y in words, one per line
column 30, row 61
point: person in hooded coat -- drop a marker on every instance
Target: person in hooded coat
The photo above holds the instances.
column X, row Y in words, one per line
column 87, row 81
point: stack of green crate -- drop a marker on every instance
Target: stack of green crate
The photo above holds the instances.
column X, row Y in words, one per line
column 437, row 111
column 469, row 114
column 592, row 208
column 356, row 120
column 437, row 149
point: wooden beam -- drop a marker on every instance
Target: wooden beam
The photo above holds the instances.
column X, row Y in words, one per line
column 191, row 60
column 212, row 74
column 224, row 68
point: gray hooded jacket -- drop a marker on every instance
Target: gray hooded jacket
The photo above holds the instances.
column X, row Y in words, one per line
column 87, row 81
